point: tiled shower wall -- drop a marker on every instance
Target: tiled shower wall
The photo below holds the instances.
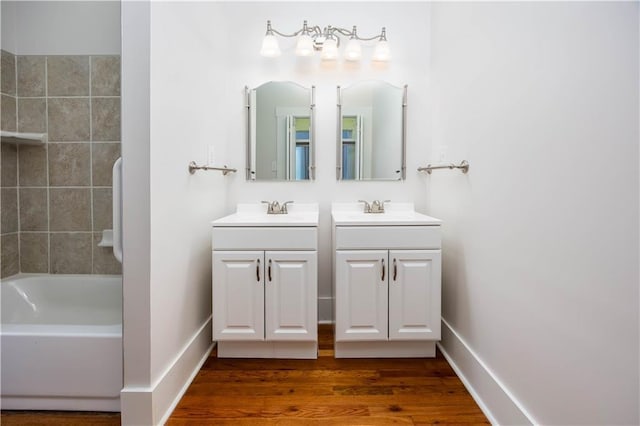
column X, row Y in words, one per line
column 56, row 198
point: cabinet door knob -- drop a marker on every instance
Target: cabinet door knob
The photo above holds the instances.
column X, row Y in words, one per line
column 382, row 270
column 395, row 270
column 269, row 270
column 258, row 270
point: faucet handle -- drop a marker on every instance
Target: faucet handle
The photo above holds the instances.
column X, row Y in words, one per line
column 383, row 203
column 272, row 207
column 367, row 206
column 283, row 208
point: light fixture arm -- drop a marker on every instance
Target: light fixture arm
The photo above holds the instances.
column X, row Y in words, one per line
column 319, row 35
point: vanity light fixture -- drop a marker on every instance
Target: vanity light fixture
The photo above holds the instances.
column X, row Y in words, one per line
column 327, row 41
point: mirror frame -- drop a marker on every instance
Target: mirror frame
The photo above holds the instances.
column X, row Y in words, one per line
column 312, row 132
column 403, row 168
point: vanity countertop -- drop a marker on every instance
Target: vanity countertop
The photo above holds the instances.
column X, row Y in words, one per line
column 255, row 214
column 403, row 214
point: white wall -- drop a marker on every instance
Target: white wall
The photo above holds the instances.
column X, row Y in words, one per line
column 61, row 27
column 136, row 401
column 235, row 36
column 541, row 237
column 8, row 23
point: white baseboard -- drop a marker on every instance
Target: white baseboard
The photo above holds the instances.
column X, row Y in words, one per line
column 325, row 309
column 154, row 404
column 494, row 399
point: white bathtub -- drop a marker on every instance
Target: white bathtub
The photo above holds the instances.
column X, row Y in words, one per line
column 61, row 342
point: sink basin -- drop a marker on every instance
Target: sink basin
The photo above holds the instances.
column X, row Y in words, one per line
column 256, row 215
column 352, row 214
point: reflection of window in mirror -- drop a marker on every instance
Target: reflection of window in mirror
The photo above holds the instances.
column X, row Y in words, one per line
column 301, row 131
column 351, row 146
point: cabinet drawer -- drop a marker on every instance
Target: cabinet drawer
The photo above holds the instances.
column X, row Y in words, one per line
column 387, row 237
column 255, row 238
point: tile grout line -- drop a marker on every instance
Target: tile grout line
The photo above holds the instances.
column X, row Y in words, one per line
column 15, row 62
column 91, row 162
column 46, row 93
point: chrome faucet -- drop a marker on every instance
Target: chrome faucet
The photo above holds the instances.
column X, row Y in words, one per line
column 274, row 207
column 376, row 206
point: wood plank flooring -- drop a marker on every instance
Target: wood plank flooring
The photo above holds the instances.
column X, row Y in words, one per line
column 326, row 391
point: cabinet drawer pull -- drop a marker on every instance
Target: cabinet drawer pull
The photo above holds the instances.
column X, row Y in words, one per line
column 383, row 270
column 269, row 270
column 395, row 270
column 258, row 271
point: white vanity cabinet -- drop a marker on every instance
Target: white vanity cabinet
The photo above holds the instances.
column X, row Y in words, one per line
column 387, row 283
column 264, row 295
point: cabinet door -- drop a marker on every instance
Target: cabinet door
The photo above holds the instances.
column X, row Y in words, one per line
column 291, row 294
column 238, row 295
column 414, row 294
column 361, row 295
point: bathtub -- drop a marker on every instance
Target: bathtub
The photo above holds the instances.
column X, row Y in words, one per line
column 61, row 342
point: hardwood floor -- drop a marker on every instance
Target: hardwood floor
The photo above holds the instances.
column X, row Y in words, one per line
column 326, row 391
column 58, row 418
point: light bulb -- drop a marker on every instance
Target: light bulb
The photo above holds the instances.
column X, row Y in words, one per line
column 304, row 47
column 353, row 51
column 329, row 50
column 382, row 53
column 270, row 47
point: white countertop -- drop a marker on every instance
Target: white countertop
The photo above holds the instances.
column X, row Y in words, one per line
column 352, row 214
column 255, row 214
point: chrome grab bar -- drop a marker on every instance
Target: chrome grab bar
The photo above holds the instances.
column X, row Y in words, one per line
column 225, row 170
column 463, row 166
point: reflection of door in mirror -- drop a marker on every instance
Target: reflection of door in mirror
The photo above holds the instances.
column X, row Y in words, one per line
column 292, row 144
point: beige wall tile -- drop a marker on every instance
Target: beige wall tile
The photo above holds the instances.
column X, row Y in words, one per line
column 32, row 115
column 69, row 209
column 102, row 209
column 8, row 71
column 104, row 262
column 68, row 75
column 9, row 255
column 34, row 252
column 8, row 112
column 71, row 253
column 105, row 76
column 69, row 164
column 103, row 157
column 9, row 211
column 105, row 119
column 31, row 75
column 9, row 176
column 32, row 163
column 69, row 119
column 33, row 209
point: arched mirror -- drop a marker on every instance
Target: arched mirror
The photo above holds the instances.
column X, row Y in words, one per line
column 280, row 143
column 371, row 131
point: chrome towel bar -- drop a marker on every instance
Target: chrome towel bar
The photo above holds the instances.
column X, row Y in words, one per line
column 463, row 166
column 225, row 170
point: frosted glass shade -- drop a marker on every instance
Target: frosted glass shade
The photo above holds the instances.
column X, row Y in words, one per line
column 382, row 52
column 329, row 50
column 353, row 51
column 270, row 47
column 304, row 46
